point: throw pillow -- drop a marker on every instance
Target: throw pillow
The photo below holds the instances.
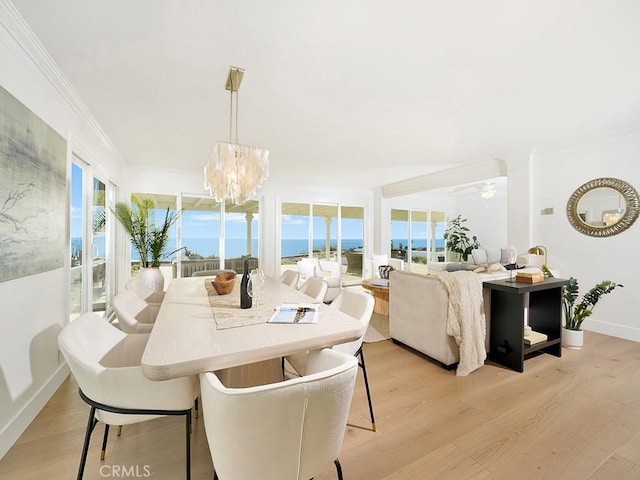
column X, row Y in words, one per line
column 496, row 267
column 480, row 269
column 454, row 267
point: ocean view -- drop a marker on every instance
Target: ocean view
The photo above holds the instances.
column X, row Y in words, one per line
column 236, row 247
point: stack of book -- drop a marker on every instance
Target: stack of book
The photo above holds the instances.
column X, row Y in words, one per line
column 531, row 337
column 530, row 277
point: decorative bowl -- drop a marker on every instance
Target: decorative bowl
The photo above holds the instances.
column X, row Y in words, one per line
column 224, row 282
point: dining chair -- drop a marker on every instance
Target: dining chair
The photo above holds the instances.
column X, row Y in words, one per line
column 328, row 270
column 286, row 430
column 290, row 277
column 105, row 362
column 137, row 286
column 315, row 287
column 134, row 314
column 356, row 304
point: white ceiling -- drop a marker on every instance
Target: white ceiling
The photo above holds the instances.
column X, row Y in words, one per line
column 358, row 93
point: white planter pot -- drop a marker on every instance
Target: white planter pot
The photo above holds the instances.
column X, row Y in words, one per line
column 572, row 339
column 152, row 278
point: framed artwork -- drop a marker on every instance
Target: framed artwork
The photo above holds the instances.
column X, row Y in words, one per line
column 32, row 192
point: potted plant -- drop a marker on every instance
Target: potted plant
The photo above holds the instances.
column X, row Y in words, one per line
column 149, row 239
column 457, row 240
column 575, row 314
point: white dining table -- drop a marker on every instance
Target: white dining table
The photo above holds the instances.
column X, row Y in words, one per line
column 186, row 338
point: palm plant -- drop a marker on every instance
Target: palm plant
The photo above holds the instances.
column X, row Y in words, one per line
column 457, row 240
column 574, row 314
column 149, row 239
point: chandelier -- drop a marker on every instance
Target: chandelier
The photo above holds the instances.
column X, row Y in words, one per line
column 235, row 172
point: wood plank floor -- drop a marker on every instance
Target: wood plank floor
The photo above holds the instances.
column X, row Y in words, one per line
column 575, row 417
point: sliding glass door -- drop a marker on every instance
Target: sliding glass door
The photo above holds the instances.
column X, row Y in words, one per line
column 92, row 271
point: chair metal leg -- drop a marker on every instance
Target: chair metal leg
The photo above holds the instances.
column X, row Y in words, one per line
column 188, row 422
column 366, row 385
column 104, row 442
column 119, row 430
column 195, row 406
column 215, row 475
column 128, row 411
column 338, row 468
column 91, row 423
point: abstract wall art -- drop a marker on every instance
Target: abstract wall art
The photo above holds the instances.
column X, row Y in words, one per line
column 32, row 192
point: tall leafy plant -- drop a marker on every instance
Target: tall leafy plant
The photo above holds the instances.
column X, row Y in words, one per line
column 575, row 314
column 149, row 239
column 457, row 239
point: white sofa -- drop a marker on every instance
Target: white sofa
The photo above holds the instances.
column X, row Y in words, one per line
column 418, row 308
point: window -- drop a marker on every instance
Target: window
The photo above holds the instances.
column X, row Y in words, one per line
column 325, row 231
column 417, row 237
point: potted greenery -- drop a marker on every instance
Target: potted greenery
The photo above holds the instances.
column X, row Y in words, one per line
column 457, row 240
column 149, row 239
column 575, row 314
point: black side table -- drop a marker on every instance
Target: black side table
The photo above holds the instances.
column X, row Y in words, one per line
column 508, row 301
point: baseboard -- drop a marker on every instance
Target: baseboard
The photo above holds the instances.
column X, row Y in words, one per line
column 613, row 330
column 18, row 424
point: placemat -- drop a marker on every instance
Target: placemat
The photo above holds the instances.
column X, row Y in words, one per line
column 227, row 312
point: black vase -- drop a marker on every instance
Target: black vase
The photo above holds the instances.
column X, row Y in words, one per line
column 245, row 299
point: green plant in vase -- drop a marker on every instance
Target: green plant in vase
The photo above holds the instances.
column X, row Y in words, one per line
column 575, row 314
column 457, row 239
column 148, row 238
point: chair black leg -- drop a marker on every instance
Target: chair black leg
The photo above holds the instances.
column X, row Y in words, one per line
column 366, row 385
column 195, row 406
column 338, row 468
column 87, row 438
column 215, row 475
column 104, row 442
column 188, row 422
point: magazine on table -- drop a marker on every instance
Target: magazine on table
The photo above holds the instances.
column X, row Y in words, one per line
column 296, row 313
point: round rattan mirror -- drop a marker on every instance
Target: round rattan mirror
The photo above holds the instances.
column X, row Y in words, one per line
column 603, row 207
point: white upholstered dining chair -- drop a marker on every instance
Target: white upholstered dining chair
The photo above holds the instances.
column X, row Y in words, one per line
column 287, row 430
column 356, row 304
column 315, row 287
column 106, row 365
column 134, row 314
column 290, row 277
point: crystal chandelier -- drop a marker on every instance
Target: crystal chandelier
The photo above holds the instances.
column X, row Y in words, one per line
column 234, row 171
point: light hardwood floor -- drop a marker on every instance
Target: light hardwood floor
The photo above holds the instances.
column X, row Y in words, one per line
column 575, row 417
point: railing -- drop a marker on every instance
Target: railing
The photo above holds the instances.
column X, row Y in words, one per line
column 188, row 267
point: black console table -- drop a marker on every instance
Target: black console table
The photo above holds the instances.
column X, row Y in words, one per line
column 508, row 301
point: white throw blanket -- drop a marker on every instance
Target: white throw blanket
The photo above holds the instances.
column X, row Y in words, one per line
column 465, row 320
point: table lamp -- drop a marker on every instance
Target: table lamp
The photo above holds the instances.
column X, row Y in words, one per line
column 539, row 250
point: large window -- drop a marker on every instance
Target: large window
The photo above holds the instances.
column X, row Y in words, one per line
column 208, row 235
column 325, row 231
column 417, row 237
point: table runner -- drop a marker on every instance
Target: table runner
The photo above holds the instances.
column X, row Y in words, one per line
column 227, row 312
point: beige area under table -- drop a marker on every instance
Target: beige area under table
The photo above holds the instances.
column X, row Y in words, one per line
column 186, row 339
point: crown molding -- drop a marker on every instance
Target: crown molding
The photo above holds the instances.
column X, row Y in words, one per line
column 28, row 42
column 473, row 172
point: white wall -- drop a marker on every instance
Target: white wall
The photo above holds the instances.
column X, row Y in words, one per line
column 486, row 218
column 556, row 174
column 35, row 308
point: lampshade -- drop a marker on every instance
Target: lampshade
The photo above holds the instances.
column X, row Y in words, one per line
column 539, row 250
column 235, row 172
